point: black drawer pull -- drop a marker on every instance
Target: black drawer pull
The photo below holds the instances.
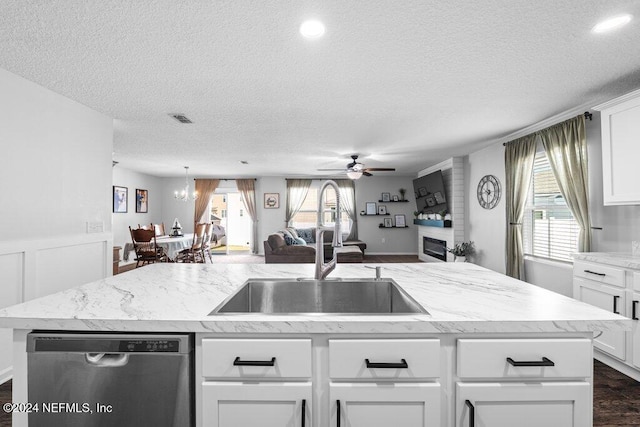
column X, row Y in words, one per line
column 593, row 272
column 543, row 362
column 472, row 413
column 615, row 304
column 304, row 408
column 238, row 362
column 402, row 365
column 338, row 413
column 634, row 310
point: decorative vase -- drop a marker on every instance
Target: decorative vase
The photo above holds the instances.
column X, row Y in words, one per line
column 460, row 258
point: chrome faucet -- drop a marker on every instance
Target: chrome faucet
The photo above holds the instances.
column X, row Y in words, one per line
column 323, row 269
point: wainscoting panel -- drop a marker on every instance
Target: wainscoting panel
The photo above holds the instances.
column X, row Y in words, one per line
column 68, row 266
column 34, row 268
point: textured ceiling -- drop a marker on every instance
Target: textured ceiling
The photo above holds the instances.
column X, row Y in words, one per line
column 405, row 84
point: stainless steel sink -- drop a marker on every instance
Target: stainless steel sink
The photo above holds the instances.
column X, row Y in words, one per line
column 349, row 296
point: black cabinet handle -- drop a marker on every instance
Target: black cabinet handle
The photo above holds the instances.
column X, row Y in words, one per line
column 593, row 272
column 472, row 413
column 615, row 304
column 402, row 365
column 543, row 362
column 238, row 362
column 338, row 413
column 634, row 310
column 304, row 408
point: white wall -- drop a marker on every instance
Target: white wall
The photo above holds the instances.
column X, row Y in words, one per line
column 380, row 240
column 134, row 180
column 57, row 159
column 486, row 227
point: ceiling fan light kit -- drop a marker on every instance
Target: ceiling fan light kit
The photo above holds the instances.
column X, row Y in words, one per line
column 355, row 169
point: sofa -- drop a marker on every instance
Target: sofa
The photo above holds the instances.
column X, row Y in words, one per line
column 218, row 236
column 280, row 249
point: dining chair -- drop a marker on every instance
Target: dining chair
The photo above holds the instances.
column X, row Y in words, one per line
column 206, row 243
column 159, row 229
column 145, row 247
column 194, row 253
column 145, row 227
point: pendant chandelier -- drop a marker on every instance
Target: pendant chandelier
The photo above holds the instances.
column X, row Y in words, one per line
column 184, row 195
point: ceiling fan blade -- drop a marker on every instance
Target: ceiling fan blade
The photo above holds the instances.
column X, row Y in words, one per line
column 365, row 173
column 379, row 169
column 341, row 169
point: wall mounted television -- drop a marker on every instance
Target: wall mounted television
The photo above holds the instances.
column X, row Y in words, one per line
column 430, row 193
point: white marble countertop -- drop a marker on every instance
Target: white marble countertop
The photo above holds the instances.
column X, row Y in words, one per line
column 460, row 297
column 619, row 259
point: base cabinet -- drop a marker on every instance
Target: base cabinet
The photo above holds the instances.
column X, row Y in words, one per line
column 259, row 405
column 383, row 405
column 557, row 404
column 635, row 332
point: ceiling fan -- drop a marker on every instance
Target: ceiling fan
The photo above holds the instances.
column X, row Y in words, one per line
column 355, row 169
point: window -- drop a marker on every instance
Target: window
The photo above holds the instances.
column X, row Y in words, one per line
column 549, row 228
column 307, row 215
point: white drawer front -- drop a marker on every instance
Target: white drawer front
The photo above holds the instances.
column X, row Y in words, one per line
column 636, row 281
column 348, row 359
column 487, row 358
column 291, row 358
column 599, row 272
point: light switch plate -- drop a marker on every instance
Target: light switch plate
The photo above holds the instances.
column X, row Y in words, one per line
column 95, row 227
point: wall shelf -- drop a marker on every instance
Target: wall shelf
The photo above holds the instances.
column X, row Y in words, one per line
column 382, row 226
column 433, row 223
column 387, row 214
column 393, row 201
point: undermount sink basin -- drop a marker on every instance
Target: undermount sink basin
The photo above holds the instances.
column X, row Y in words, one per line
column 349, row 296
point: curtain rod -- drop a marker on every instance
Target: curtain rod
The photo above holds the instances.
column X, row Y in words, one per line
column 313, row 179
column 587, row 115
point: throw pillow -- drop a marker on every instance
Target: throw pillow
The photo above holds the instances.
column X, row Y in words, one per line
column 307, row 234
column 293, row 232
column 300, row 241
column 289, row 240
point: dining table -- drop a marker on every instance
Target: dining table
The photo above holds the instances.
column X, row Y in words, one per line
column 174, row 244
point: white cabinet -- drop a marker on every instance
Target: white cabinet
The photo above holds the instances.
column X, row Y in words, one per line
column 386, row 398
column 620, row 122
column 256, row 382
column 534, row 404
column 259, row 405
column 635, row 332
column 603, row 286
column 523, row 382
column 385, row 404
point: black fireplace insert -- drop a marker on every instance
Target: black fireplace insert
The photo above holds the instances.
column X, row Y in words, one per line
column 434, row 247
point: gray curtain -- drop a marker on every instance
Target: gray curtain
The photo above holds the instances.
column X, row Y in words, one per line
column 348, row 204
column 205, row 189
column 297, row 190
column 247, row 188
column 566, row 148
column 518, row 158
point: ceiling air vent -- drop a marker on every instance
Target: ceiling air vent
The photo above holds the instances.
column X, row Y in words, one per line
column 181, row 118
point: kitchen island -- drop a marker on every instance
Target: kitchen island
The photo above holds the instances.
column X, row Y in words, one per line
column 464, row 359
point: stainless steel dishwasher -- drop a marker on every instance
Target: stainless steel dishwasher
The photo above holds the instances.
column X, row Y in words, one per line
column 105, row 380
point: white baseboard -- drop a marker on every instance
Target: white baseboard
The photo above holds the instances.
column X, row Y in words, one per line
column 6, row 375
column 390, row 253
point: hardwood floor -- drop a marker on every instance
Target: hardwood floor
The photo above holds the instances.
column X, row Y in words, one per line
column 616, row 398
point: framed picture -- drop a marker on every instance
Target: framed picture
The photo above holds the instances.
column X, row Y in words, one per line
column 142, row 198
column 371, row 208
column 120, row 197
column 386, row 197
column 439, row 197
column 430, row 201
column 271, row 200
column 400, row 221
column 388, row 223
column 382, row 210
column 422, row 191
column 395, row 198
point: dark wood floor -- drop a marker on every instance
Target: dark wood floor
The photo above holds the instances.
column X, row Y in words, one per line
column 616, row 399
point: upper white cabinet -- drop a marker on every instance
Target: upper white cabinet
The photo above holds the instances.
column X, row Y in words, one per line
column 620, row 149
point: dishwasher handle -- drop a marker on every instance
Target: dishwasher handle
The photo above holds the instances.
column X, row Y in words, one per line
column 107, row 359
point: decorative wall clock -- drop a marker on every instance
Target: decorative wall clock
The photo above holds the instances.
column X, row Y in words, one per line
column 489, row 191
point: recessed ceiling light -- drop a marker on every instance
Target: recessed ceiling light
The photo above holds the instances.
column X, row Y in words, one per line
column 312, row 29
column 611, row 24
